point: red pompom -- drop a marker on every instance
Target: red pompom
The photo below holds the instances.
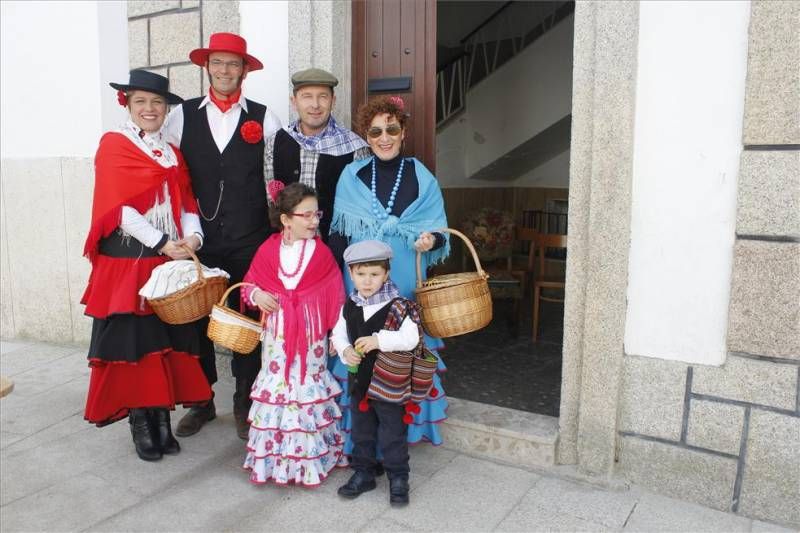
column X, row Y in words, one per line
column 415, row 408
column 363, row 406
column 122, row 98
column 434, row 392
column 252, row 132
column 273, row 190
column 407, row 419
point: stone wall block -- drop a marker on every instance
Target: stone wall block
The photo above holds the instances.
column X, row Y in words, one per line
column 138, row 8
column 699, row 477
column 772, row 93
column 652, row 397
column 749, row 380
column 138, row 51
column 769, row 193
column 7, row 329
column 764, row 317
column 771, row 481
column 715, row 426
column 173, row 36
column 32, row 187
column 184, row 80
column 187, row 4
column 219, row 15
column 78, row 179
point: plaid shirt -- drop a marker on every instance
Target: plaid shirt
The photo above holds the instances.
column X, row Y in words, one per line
column 334, row 140
column 388, row 291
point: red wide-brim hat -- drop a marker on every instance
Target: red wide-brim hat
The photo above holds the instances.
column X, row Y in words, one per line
column 225, row 42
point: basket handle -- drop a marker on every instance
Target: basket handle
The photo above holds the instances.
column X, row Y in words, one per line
column 466, row 241
column 200, row 277
column 230, row 289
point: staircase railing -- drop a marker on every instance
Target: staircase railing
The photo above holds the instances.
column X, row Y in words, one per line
column 503, row 35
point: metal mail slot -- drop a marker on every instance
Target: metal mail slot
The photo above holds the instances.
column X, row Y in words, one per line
column 389, row 85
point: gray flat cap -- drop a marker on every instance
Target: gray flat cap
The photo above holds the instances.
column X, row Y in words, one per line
column 314, row 76
column 364, row 251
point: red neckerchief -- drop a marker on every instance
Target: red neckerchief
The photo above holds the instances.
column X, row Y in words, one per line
column 225, row 103
column 309, row 310
column 124, row 175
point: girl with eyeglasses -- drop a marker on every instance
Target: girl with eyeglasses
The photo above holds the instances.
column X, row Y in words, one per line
column 396, row 200
column 294, row 433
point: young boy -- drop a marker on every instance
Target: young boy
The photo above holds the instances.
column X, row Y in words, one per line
column 358, row 337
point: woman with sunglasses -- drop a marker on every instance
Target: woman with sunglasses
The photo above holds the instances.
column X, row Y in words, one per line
column 396, row 200
column 294, row 437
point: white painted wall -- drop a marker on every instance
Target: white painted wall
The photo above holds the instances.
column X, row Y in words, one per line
column 53, row 71
column 519, row 100
column 265, row 26
column 689, row 111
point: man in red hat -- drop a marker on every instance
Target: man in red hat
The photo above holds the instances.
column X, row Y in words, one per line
column 222, row 137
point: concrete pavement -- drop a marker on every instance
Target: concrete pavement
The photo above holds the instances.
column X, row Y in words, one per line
column 61, row 474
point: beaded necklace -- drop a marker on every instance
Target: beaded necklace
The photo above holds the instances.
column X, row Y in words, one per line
column 299, row 262
column 377, row 209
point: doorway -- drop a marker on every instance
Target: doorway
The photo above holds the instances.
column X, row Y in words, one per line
column 491, row 117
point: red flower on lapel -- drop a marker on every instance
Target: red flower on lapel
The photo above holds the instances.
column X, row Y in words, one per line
column 251, row 131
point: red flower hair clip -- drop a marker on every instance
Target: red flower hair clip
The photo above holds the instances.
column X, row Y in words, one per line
column 398, row 101
column 273, row 190
column 122, row 98
column 251, row 131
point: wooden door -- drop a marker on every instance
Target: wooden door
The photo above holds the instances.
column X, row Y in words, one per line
column 394, row 42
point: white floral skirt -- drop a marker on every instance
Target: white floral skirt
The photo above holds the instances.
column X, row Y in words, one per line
column 294, row 427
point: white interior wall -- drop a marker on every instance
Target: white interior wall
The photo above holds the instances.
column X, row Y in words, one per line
column 519, row 100
column 265, row 26
column 689, row 110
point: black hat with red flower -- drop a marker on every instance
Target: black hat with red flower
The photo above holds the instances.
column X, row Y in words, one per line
column 143, row 80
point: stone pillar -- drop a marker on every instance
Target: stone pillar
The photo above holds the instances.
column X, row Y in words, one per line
column 601, row 167
column 320, row 36
column 161, row 33
column 764, row 319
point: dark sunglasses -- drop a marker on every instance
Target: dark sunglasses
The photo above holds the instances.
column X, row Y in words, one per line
column 392, row 130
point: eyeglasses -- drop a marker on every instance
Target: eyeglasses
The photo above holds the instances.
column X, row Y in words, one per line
column 392, row 130
column 309, row 215
column 218, row 64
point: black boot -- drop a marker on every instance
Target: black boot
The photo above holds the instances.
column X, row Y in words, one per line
column 359, row 483
column 241, row 407
column 163, row 431
column 146, row 445
column 398, row 491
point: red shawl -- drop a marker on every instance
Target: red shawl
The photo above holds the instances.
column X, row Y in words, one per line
column 318, row 297
column 124, row 175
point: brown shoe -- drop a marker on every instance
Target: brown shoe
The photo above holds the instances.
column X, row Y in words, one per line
column 196, row 419
column 242, row 426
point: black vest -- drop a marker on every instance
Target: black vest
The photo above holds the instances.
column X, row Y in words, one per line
column 286, row 165
column 242, row 219
column 358, row 383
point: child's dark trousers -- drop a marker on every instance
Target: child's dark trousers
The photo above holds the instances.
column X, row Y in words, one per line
column 381, row 423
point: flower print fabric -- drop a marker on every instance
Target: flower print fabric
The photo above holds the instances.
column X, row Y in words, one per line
column 294, row 430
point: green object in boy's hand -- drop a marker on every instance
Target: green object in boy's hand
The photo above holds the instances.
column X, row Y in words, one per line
column 353, row 369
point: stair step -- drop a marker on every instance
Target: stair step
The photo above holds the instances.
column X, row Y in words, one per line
column 500, row 433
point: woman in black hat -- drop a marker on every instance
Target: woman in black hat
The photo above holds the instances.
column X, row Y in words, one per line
column 143, row 214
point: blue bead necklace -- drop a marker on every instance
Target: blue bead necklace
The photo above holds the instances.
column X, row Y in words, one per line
column 377, row 209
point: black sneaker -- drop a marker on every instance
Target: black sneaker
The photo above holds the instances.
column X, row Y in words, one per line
column 398, row 491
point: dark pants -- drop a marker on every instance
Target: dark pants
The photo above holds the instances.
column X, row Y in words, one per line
column 381, row 423
column 244, row 367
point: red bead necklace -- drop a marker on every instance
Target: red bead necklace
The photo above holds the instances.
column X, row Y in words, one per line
column 299, row 262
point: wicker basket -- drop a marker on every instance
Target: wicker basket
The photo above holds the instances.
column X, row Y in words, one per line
column 192, row 302
column 454, row 304
column 233, row 330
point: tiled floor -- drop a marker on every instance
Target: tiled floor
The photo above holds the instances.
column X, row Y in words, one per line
column 494, row 366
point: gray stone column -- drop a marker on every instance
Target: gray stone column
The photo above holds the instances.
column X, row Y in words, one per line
column 319, row 36
column 604, row 79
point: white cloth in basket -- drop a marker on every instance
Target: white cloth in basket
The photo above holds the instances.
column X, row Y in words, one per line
column 227, row 318
column 173, row 276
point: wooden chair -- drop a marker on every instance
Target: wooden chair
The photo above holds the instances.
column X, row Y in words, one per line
column 540, row 242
